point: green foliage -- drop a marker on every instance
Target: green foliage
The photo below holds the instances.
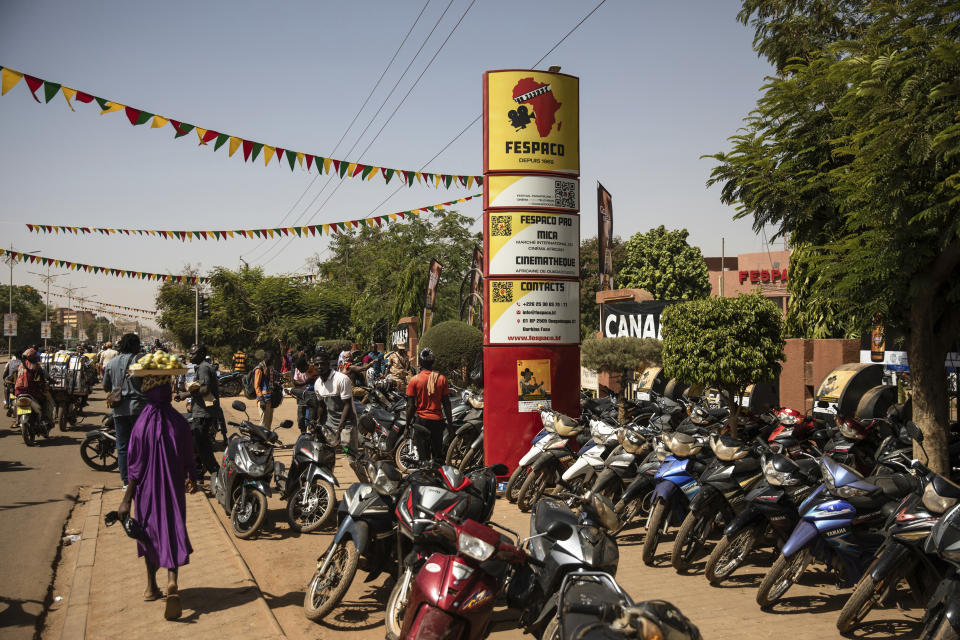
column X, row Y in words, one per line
column 29, row 307
column 852, row 151
column 590, row 281
column 455, row 344
column 333, row 347
column 621, row 355
column 728, row 343
column 663, row 263
column 382, row 272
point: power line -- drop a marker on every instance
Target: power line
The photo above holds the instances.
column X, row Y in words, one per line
column 355, row 116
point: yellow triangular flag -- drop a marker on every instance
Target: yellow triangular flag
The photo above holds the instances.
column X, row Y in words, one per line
column 374, row 171
column 8, row 80
column 469, row 181
column 268, row 152
column 230, row 233
column 158, row 122
column 326, row 165
column 111, row 107
column 234, row 145
column 68, row 94
column 438, row 179
column 351, row 168
column 394, row 217
column 419, row 176
column 326, row 229
column 200, row 134
column 300, row 158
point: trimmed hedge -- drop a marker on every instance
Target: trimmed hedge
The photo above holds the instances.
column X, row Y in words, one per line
column 455, row 344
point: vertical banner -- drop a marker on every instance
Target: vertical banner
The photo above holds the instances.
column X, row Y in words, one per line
column 45, row 332
column 476, row 281
column 605, row 236
column 99, row 337
column 82, row 335
column 433, row 279
column 67, row 332
column 9, row 325
column 531, row 255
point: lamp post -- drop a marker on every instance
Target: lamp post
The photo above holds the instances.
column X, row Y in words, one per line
column 70, row 290
column 10, row 260
column 46, row 307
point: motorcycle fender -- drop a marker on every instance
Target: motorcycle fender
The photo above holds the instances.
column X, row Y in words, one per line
column 358, row 530
column 893, row 559
column 705, row 499
column 663, row 491
column 746, row 518
column 638, row 487
column 575, row 469
column 315, row 471
column 947, row 595
column 802, row 535
column 93, row 434
column 546, row 614
column 261, row 485
column 466, row 430
column 530, row 456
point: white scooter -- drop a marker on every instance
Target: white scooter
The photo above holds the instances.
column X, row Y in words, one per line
column 591, row 457
column 544, row 439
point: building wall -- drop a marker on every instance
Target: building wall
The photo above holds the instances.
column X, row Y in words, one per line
column 767, row 268
column 807, row 363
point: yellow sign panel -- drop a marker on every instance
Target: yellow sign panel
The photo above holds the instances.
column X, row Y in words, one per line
column 533, row 311
column 533, row 385
column 531, row 122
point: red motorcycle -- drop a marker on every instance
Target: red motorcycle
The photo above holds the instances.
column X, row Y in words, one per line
column 453, row 594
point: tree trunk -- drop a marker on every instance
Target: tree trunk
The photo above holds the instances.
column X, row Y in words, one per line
column 734, row 411
column 926, row 353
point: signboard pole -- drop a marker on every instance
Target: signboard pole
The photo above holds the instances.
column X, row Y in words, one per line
column 531, row 255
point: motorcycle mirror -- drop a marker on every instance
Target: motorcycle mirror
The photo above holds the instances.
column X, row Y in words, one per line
column 499, row 469
column 286, row 424
column 557, row 530
column 914, row 431
column 238, row 406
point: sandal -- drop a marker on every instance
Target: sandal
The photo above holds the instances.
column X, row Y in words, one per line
column 151, row 595
column 172, row 609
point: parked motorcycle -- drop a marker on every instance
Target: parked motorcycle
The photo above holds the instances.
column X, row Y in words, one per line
column 99, row 447
column 942, row 618
column 468, row 431
column 545, row 437
column 547, row 469
column 591, row 457
column 230, row 383
column 385, row 435
column 242, row 485
column 367, row 529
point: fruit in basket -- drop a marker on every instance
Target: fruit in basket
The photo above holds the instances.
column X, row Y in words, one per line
column 159, row 360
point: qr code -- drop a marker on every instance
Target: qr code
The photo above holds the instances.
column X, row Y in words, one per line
column 565, row 194
column 501, row 226
column 501, row 292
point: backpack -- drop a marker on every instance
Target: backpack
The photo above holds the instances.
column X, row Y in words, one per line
column 248, row 389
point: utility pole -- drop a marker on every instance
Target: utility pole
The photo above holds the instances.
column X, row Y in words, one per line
column 10, row 260
column 46, row 307
column 723, row 262
column 70, row 290
column 196, row 315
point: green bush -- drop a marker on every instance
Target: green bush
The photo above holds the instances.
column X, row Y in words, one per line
column 455, row 344
column 333, row 347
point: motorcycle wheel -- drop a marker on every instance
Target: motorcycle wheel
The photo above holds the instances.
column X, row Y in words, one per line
column 944, row 631
column 248, row 514
column 406, row 456
column 654, row 530
column 325, row 592
column 26, row 431
column 865, row 595
column 729, row 554
column 60, row 417
column 552, row 630
column 533, row 488
column 231, row 388
column 630, row 510
column 690, row 540
column 457, row 450
column 321, row 500
column 397, row 605
column 781, row 576
column 99, row 453
column 512, row 492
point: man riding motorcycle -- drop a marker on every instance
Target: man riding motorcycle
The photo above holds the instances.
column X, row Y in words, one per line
column 33, row 382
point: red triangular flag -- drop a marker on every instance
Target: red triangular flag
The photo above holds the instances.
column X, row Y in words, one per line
column 247, row 148
column 34, row 84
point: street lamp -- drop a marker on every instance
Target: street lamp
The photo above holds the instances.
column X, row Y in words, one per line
column 70, row 290
column 46, row 307
column 10, row 260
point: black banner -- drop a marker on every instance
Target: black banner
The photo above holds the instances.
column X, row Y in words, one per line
column 476, row 278
column 634, row 319
column 605, row 236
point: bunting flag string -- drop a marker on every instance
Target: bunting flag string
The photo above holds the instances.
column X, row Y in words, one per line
column 9, row 78
column 105, row 304
column 101, row 310
column 300, row 232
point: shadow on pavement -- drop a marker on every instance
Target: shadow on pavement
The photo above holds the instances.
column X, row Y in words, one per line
column 201, row 600
column 354, row 615
column 14, row 615
column 33, row 503
column 13, row 465
column 883, row 629
column 818, row 603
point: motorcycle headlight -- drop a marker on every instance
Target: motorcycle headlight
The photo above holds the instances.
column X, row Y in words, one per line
column 546, row 417
column 474, row 547
column 934, row 501
column 849, row 430
column 778, row 478
column 850, row 492
column 384, row 481
column 662, row 451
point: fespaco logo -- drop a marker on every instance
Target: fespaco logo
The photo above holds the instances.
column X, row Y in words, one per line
column 536, row 104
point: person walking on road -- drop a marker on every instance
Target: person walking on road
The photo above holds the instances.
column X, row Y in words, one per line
column 336, row 394
column 124, row 396
column 108, row 354
column 264, row 378
column 428, row 396
column 161, row 469
column 203, row 414
column 240, row 361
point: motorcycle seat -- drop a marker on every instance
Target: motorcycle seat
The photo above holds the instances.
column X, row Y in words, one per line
column 549, row 510
column 894, row 486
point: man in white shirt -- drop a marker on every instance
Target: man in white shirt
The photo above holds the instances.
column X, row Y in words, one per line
column 336, row 392
column 108, row 354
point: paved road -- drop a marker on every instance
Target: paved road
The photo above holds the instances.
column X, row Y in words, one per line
column 38, row 487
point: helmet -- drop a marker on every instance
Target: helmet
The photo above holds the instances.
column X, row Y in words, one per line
column 30, row 354
column 427, row 359
column 197, row 353
column 787, row 415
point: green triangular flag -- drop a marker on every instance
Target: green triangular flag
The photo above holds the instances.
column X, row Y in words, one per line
column 50, row 89
column 257, row 146
column 318, row 160
column 448, row 179
column 102, row 102
column 366, row 171
column 299, row 231
column 388, row 175
column 478, row 179
column 342, row 225
column 410, row 175
column 143, row 117
column 183, row 129
column 343, row 168
column 291, row 157
column 257, row 231
column 223, row 137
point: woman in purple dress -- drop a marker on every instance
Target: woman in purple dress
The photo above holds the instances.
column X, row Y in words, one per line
column 160, row 467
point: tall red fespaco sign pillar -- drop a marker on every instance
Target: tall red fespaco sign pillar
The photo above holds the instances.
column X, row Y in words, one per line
column 531, row 255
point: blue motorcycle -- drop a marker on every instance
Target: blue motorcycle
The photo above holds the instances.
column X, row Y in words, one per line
column 841, row 525
column 676, row 485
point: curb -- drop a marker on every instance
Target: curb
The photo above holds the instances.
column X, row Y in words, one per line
column 244, row 568
column 78, row 604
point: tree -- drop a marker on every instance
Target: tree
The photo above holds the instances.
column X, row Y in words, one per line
column 29, row 307
column 620, row 357
column 590, row 281
column 456, row 345
column 663, row 263
column 852, row 150
column 728, row 343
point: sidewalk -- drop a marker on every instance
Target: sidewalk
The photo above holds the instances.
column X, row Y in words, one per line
column 219, row 597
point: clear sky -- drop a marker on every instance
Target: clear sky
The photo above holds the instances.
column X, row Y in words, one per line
column 662, row 83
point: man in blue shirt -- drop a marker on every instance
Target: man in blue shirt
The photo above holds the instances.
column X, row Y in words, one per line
column 123, row 394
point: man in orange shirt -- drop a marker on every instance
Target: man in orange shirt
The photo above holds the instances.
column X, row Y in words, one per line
column 428, row 396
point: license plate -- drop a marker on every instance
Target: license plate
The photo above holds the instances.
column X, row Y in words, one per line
column 644, row 395
column 21, row 411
